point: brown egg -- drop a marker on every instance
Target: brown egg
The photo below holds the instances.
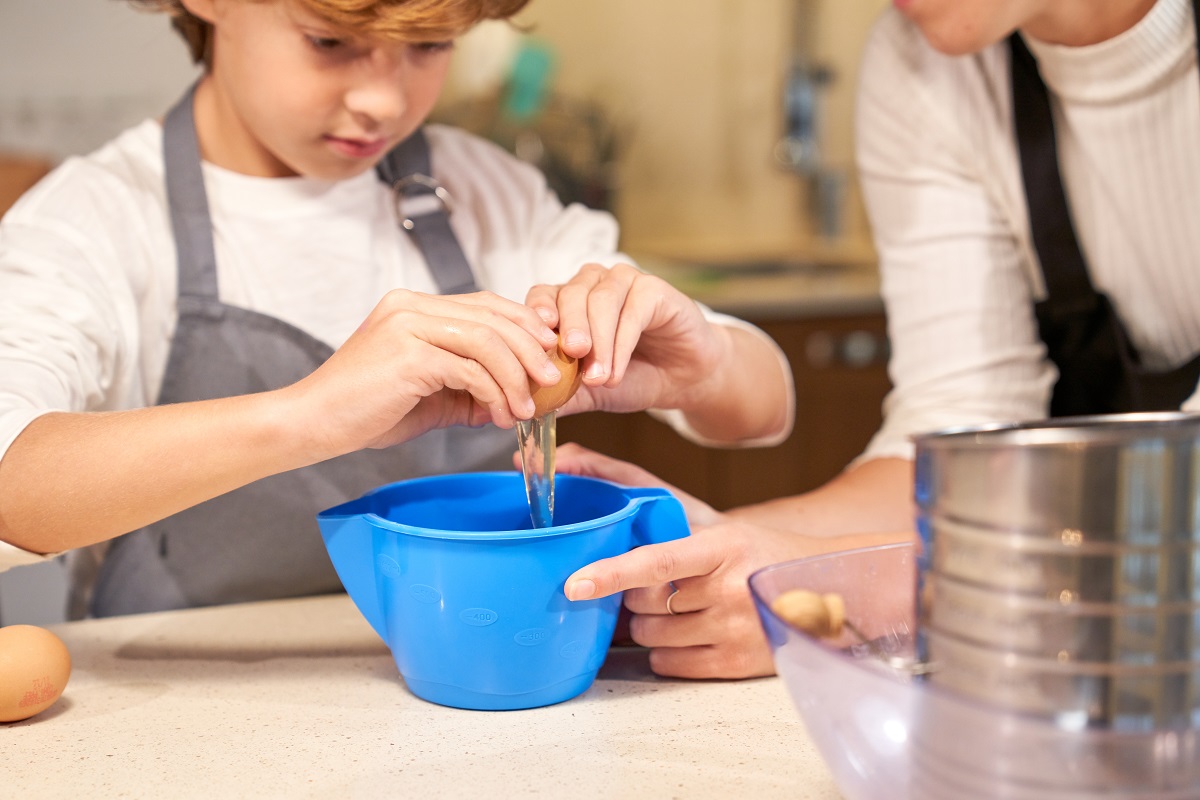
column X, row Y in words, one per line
column 820, row 615
column 837, row 612
column 551, row 398
column 34, row 668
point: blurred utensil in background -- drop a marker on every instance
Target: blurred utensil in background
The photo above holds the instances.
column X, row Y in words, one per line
column 574, row 141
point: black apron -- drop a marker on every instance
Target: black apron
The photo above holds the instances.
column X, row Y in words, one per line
column 261, row 541
column 1099, row 369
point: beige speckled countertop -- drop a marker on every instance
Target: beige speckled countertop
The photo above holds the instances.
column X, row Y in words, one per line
column 300, row 699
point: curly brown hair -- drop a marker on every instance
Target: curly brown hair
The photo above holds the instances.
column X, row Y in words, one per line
column 397, row 20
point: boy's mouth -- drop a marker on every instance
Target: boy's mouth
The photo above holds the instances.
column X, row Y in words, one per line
column 357, row 148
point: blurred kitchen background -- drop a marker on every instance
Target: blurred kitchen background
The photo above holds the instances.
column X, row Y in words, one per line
column 719, row 132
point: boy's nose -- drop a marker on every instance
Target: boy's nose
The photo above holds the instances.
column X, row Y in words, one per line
column 381, row 91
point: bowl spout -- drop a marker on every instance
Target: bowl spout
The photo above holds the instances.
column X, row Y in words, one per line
column 348, row 538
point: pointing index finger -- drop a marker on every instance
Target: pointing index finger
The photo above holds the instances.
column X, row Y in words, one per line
column 648, row 565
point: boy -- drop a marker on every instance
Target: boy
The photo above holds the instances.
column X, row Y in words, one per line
column 183, row 352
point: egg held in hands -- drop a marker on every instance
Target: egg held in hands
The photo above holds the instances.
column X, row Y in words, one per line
column 551, row 398
column 34, row 668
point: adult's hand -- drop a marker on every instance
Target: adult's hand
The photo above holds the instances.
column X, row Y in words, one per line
column 714, row 631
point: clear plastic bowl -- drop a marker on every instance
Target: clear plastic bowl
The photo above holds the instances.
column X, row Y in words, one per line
column 883, row 733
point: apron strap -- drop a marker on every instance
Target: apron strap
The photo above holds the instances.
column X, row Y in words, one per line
column 1068, row 288
column 195, row 256
column 1100, row 370
column 407, row 169
column 1196, row 25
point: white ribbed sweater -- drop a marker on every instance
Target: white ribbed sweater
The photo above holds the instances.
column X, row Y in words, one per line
column 941, row 177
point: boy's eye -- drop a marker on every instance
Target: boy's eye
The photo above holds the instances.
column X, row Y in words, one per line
column 324, row 43
column 433, row 47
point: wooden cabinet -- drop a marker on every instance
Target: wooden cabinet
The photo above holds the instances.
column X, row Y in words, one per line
column 840, row 368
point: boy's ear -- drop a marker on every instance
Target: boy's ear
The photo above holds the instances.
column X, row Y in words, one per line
column 204, row 9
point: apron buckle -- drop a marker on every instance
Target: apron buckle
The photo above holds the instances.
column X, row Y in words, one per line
column 426, row 196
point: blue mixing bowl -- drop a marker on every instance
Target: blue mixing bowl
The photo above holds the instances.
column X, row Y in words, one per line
column 469, row 596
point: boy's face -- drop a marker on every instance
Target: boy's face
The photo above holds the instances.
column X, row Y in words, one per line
column 288, row 95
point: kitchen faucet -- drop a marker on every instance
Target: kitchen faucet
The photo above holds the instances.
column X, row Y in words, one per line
column 799, row 148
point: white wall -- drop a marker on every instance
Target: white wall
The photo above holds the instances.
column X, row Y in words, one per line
column 73, row 73
column 699, row 86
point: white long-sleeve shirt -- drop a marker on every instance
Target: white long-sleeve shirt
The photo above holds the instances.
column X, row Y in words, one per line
column 941, row 177
column 88, row 276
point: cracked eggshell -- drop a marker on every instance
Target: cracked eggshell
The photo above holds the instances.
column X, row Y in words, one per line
column 551, row 398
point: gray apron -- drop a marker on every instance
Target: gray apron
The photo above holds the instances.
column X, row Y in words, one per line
column 261, row 541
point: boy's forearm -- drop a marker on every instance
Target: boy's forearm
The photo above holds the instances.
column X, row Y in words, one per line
column 71, row 480
column 749, row 395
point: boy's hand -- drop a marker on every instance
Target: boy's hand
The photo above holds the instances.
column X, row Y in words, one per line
column 421, row 362
column 643, row 341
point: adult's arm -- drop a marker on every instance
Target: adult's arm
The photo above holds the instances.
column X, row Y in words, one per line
column 941, row 184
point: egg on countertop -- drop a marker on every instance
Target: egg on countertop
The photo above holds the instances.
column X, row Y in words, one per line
column 34, row 668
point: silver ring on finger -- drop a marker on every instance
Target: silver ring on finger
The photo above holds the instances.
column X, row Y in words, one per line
column 671, row 597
